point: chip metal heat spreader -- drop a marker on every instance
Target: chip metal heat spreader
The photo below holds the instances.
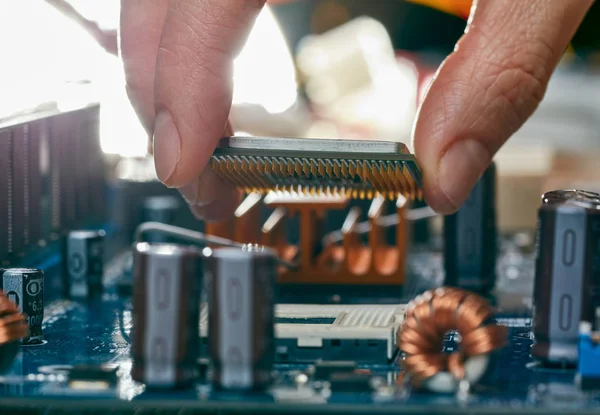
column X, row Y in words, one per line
column 354, row 168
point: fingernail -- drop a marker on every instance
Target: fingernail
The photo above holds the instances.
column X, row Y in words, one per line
column 190, row 192
column 205, row 189
column 167, row 146
column 218, row 209
column 460, row 168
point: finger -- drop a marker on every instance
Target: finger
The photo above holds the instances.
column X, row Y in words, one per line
column 193, row 88
column 215, row 211
column 105, row 38
column 140, row 29
column 209, row 197
column 203, row 191
column 486, row 90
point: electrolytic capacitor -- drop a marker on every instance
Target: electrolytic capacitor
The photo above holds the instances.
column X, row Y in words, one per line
column 470, row 238
column 241, row 316
column 163, row 209
column 84, row 259
column 166, row 313
column 25, row 288
column 567, row 274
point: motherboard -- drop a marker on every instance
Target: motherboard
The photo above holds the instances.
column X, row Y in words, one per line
column 335, row 297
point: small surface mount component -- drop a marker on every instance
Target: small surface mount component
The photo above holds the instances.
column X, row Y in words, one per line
column 324, row 369
column 352, row 168
column 93, row 376
column 351, row 382
column 588, row 365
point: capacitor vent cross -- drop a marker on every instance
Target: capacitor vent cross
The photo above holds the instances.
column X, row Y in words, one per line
column 359, row 169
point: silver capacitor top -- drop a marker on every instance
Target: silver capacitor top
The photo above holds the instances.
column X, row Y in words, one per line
column 571, row 197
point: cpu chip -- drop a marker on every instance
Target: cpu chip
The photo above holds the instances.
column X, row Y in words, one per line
column 358, row 169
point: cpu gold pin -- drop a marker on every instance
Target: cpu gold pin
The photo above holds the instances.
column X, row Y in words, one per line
column 360, row 168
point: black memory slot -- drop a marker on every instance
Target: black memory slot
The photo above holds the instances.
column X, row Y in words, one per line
column 20, row 188
column 5, row 194
column 97, row 168
column 65, row 141
column 56, row 133
column 42, row 142
column 82, row 165
column 35, row 181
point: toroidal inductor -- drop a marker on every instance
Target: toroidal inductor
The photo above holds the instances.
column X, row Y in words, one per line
column 432, row 315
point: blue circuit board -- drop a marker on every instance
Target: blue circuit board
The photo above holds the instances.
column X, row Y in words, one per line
column 92, row 337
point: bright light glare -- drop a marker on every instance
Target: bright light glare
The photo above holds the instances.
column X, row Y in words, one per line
column 360, row 82
column 264, row 71
column 46, row 56
column 43, row 51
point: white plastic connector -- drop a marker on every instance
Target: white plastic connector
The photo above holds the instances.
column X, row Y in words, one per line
column 585, row 327
column 445, row 382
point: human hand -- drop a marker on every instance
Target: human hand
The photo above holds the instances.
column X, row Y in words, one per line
column 487, row 88
column 107, row 39
column 178, row 60
column 180, row 83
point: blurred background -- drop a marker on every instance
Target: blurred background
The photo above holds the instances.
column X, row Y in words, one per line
column 313, row 68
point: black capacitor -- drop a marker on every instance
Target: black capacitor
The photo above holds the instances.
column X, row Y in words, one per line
column 470, row 238
column 420, row 230
column 241, row 337
column 567, row 273
column 84, row 260
column 168, row 281
column 25, row 288
column 163, row 209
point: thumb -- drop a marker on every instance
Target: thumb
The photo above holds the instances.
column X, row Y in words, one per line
column 487, row 89
column 193, row 83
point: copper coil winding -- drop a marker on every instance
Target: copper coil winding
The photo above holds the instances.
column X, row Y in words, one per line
column 13, row 324
column 431, row 316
